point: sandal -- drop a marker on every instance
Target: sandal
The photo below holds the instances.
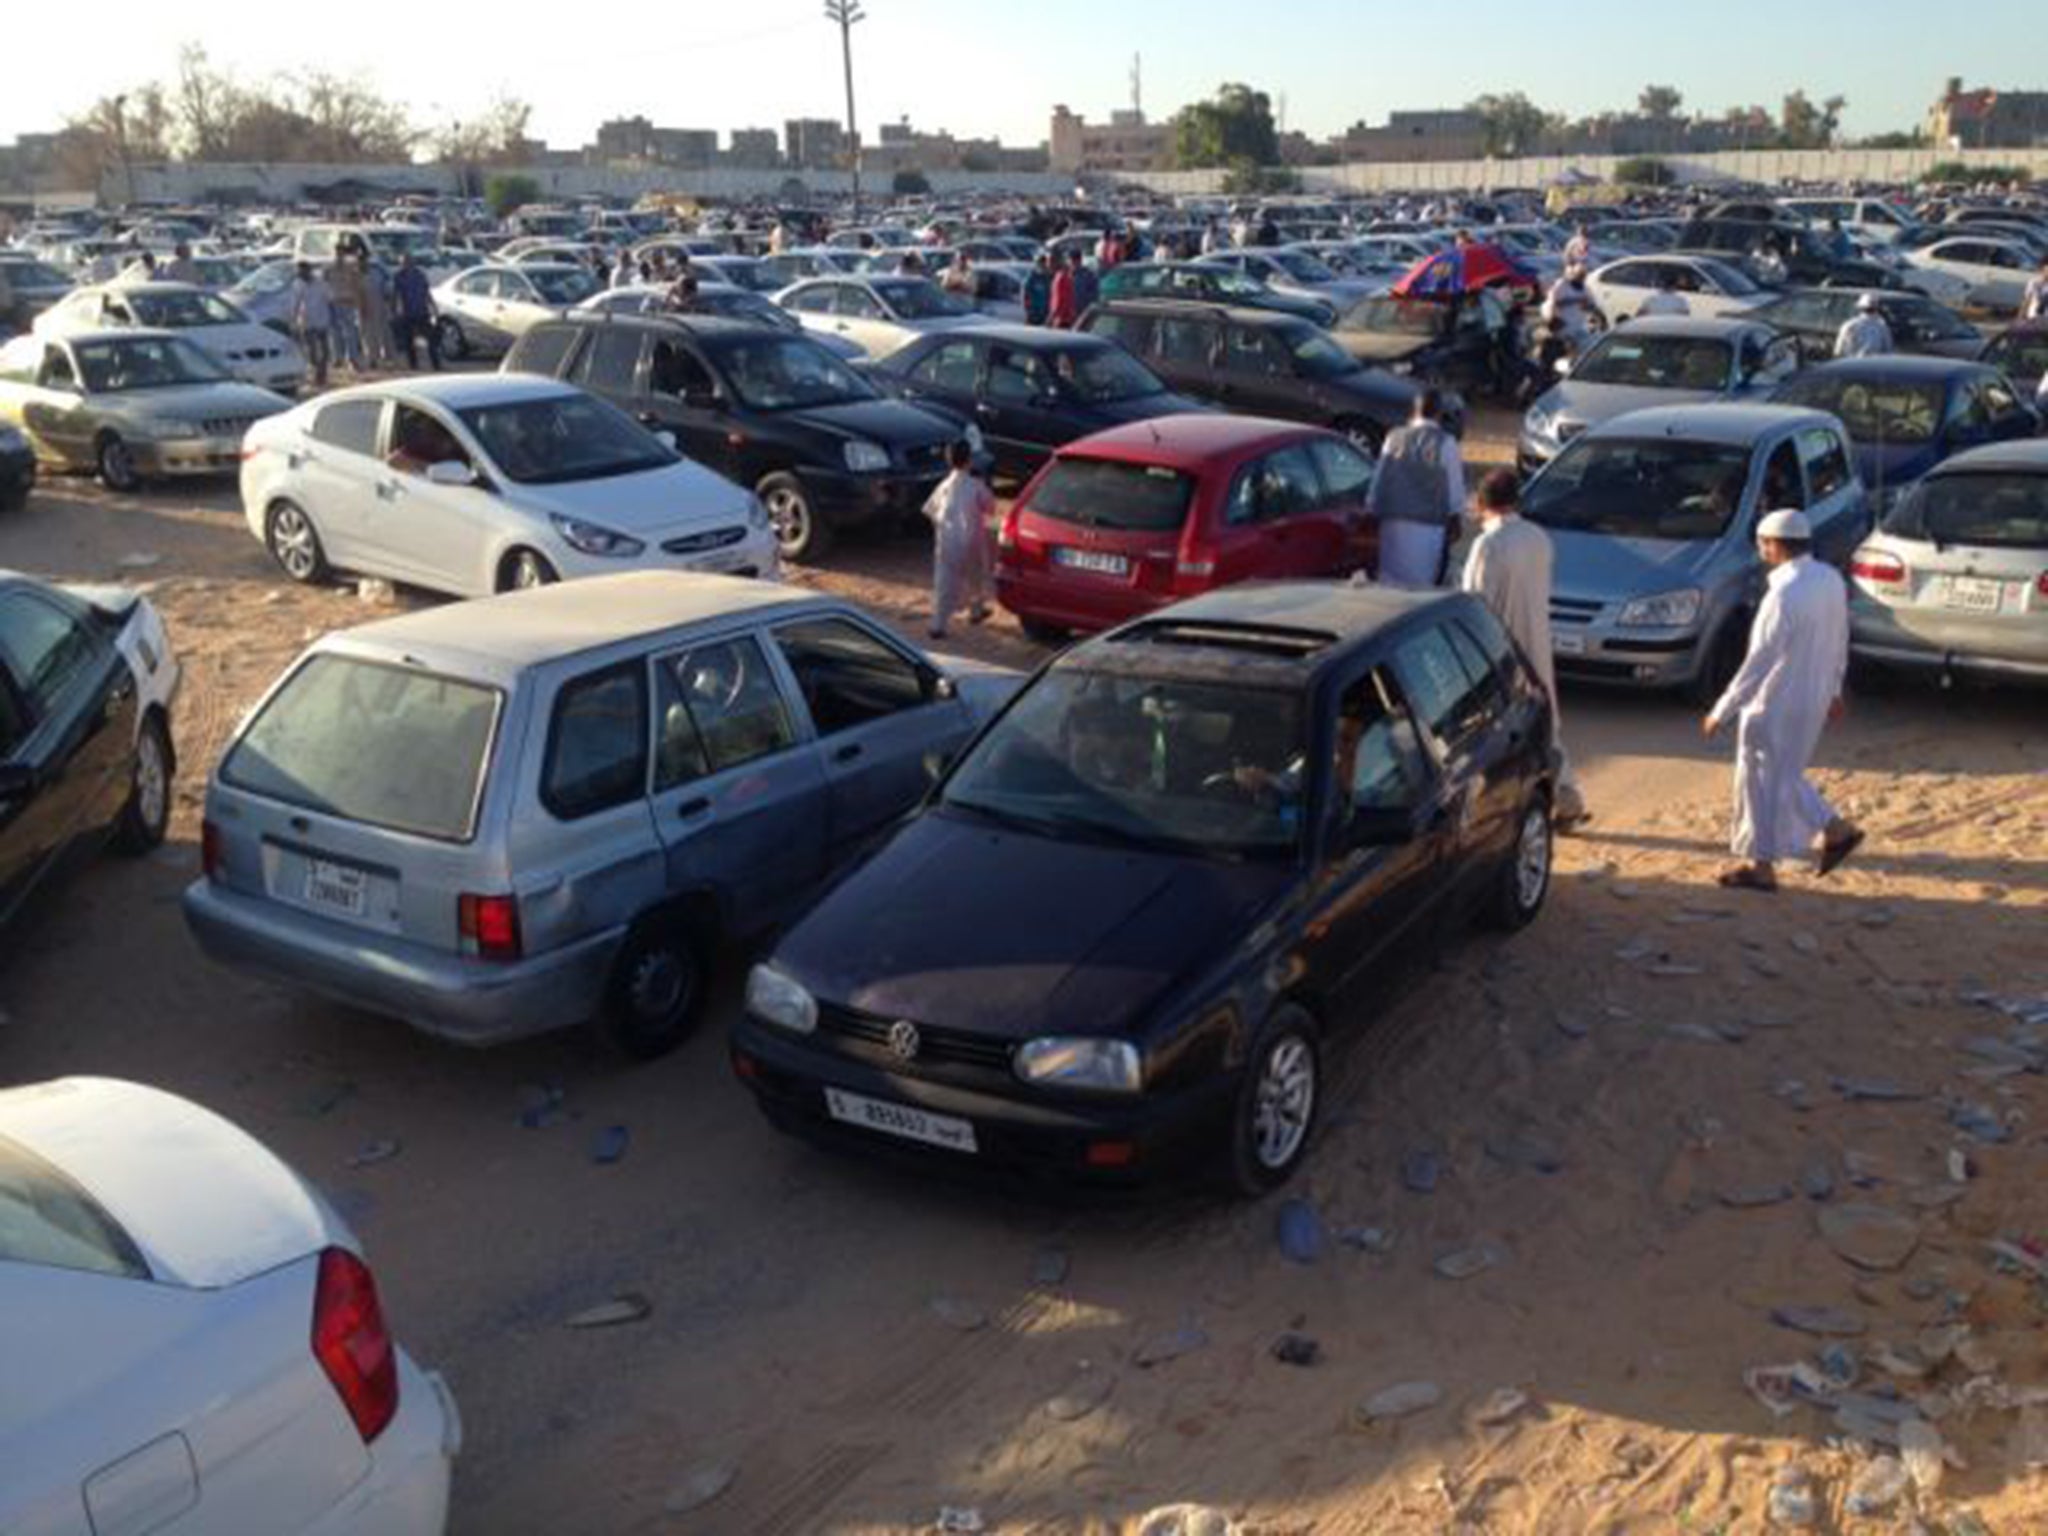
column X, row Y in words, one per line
column 1746, row 877
column 1836, row 850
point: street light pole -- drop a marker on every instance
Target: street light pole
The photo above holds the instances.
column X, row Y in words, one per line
column 846, row 13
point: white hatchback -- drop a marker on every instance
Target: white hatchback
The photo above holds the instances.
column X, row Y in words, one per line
column 193, row 1341
column 474, row 484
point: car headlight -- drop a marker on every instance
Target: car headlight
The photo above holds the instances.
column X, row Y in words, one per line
column 864, row 457
column 1540, row 423
column 1106, row 1066
column 777, row 999
column 757, row 513
column 590, row 539
column 1667, row 610
column 975, row 441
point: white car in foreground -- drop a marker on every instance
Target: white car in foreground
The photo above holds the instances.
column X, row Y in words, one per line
column 193, row 1341
column 474, row 484
column 253, row 353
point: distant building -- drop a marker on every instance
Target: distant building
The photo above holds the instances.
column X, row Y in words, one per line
column 635, row 138
column 1445, row 135
column 814, row 143
column 1126, row 143
column 1988, row 119
column 755, row 149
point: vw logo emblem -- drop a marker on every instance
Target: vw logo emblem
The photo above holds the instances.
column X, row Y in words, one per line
column 904, row 1040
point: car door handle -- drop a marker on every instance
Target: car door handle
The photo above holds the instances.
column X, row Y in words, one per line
column 847, row 753
column 693, row 807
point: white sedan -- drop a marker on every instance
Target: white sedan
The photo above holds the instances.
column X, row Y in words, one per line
column 877, row 314
column 484, row 310
column 1996, row 270
column 253, row 353
column 193, row 1340
column 474, row 484
column 1712, row 290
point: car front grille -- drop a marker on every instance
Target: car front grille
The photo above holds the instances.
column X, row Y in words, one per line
column 1573, row 610
column 936, row 1047
column 226, row 426
column 698, row 543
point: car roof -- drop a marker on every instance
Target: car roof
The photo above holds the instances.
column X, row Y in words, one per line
column 1903, row 365
column 504, row 635
column 1032, row 338
column 1735, row 423
column 459, row 391
column 2026, row 454
column 1239, row 313
column 1189, row 442
column 1699, row 327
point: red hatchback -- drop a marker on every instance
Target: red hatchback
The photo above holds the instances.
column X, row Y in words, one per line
column 1144, row 515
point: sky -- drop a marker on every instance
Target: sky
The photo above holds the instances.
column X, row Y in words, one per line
column 978, row 71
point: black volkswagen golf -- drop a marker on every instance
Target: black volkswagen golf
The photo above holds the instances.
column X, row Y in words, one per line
column 1118, row 936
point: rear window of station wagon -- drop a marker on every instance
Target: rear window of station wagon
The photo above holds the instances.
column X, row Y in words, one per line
column 388, row 746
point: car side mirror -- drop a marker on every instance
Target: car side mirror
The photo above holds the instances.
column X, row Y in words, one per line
column 451, row 472
column 943, row 687
column 18, row 781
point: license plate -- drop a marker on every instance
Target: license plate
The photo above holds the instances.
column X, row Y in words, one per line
column 1091, row 560
column 1568, row 645
column 1973, row 594
column 337, row 887
column 900, row 1120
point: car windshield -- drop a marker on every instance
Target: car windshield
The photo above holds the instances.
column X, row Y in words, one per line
column 177, row 311
column 1102, row 374
column 1395, row 317
column 1659, row 489
column 1985, row 510
column 1656, row 362
column 1874, row 410
column 562, row 285
column 1318, row 357
column 1732, row 279
column 560, row 438
column 1303, row 268
column 395, row 747
column 1108, row 493
column 783, row 374
column 1203, row 769
column 147, row 362
column 918, row 299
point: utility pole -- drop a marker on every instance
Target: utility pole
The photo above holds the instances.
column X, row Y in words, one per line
column 846, row 13
column 120, row 106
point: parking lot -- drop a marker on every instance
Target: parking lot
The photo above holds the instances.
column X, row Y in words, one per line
column 1619, row 1111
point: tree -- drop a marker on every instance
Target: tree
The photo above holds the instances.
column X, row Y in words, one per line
column 496, row 136
column 1510, row 125
column 1956, row 172
column 506, row 193
column 1660, row 101
column 1244, row 179
column 1237, row 124
column 909, row 182
column 1644, row 171
column 1915, row 138
column 1802, row 125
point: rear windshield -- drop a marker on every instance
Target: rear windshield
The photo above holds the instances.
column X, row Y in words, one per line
column 1135, row 498
column 387, row 746
column 1985, row 510
column 46, row 1219
column 1874, row 410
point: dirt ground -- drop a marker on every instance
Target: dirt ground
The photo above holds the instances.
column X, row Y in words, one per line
column 1640, row 1113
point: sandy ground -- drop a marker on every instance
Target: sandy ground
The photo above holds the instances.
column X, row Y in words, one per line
column 1634, row 1109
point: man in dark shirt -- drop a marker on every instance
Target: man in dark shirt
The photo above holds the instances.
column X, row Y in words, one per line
column 416, row 318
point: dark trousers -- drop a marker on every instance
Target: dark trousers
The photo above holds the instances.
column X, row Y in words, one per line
column 412, row 330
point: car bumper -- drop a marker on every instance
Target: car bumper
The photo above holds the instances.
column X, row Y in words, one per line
column 1137, row 1140
column 1064, row 605
column 454, row 997
column 848, row 499
column 754, row 555
column 1630, row 658
column 196, row 456
column 1929, row 640
column 405, row 1492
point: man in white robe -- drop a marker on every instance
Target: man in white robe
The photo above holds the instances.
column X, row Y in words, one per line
column 1788, row 688
column 1509, row 569
column 960, row 509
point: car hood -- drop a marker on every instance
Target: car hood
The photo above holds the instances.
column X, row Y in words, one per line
column 1599, row 567
column 649, row 502
column 892, row 423
column 1591, row 404
column 958, row 925
column 194, row 402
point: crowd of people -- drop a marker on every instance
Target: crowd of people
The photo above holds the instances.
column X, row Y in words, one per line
column 356, row 313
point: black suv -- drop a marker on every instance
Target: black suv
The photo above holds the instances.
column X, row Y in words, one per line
column 1119, row 935
column 1258, row 363
column 822, row 447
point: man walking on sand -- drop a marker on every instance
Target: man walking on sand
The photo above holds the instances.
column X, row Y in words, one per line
column 1789, row 687
column 1416, row 495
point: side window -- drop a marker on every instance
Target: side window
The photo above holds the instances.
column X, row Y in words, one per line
column 857, row 302
column 1185, row 339
column 1827, row 463
column 14, row 723
column 477, row 284
column 597, row 743
column 1387, row 768
column 720, row 708
column 1630, row 274
column 1970, row 412
column 1347, row 473
column 1780, row 361
column 1448, row 701
column 1132, row 331
column 1686, row 279
column 814, row 301
column 950, row 367
column 1017, row 377
column 1478, row 623
column 418, row 440
column 350, row 425
column 542, row 349
column 1999, row 399
column 676, row 370
column 611, row 361
column 1250, row 350
column 846, row 675
column 1490, row 695
column 1784, row 488
column 44, row 647
column 57, row 371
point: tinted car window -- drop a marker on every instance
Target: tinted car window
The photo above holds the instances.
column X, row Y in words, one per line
column 950, row 367
column 1450, row 702
column 542, row 349
column 1185, row 339
column 1134, row 331
column 1492, row 693
column 350, row 425
column 676, row 370
column 846, row 676
column 732, row 699
column 1388, row 769
column 1253, row 351
column 1103, row 493
column 45, row 648
column 611, row 361
column 1784, row 487
column 1017, row 377
column 1827, row 463
column 597, row 743
column 1282, row 484
column 1347, row 473
column 1897, row 411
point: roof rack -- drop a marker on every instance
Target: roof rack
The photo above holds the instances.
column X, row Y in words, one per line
column 1270, row 639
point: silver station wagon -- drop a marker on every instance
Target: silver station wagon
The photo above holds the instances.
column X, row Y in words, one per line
column 506, row 816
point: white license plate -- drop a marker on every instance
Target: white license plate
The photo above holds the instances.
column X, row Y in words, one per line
column 1091, row 560
column 337, row 887
column 1567, row 645
column 1973, row 594
column 900, row 1120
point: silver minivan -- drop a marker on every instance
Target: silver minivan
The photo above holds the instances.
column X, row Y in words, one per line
column 506, row 816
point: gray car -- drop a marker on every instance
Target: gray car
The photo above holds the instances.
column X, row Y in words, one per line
column 1653, row 516
column 1956, row 579
column 501, row 817
column 1655, row 362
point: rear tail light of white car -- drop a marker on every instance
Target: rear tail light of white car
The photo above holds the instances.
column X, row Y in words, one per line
column 352, row 1344
column 489, row 926
column 1879, row 568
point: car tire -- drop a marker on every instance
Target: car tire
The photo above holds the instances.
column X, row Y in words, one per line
column 656, row 989
column 801, row 536
column 114, row 461
column 524, row 569
column 147, row 815
column 1723, row 660
column 294, row 543
column 1054, row 635
column 1525, row 876
column 1872, row 679
column 1368, row 437
column 1278, row 1099
column 454, row 344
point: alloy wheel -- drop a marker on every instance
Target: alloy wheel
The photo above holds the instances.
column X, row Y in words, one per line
column 1284, row 1102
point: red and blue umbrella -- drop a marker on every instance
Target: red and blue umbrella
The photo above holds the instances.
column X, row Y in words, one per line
column 1464, row 269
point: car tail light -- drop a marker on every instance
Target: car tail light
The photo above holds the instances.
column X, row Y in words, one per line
column 1880, row 566
column 2041, row 587
column 1006, row 532
column 213, row 859
column 489, row 925
column 352, row 1344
